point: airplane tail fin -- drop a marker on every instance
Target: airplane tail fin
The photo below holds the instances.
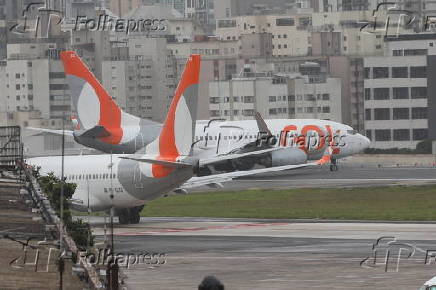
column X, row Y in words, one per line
column 177, row 134
column 93, row 106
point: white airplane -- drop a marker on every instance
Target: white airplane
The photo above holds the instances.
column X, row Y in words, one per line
column 103, row 125
column 127, row 182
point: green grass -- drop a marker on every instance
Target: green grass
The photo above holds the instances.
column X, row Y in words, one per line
column 375, row 203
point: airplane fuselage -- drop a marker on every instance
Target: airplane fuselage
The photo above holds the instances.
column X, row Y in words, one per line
column 100, row 176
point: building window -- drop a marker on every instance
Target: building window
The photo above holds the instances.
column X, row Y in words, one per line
column 383, row 135
column 419, row 113
column 415, row 52
column 420, row 134
column 418, row 72
column 325, row 97
column 401, row 114
column 382, row 114
column 326, row 110
column 367, row 73
column 402, row 135
column 17, row 87
column 285, row 22
column 214, row 113
column 381, row 94
column 380, row 72
column 368, row 133
column 273, row 111
column 272, row 98
column 214, row 100
column 248, row 112
column 419, row 92
column 248, row 99
column 367, row 94
column 400, row 72
column 400, row 93
column 397, row 52
column 367, row 114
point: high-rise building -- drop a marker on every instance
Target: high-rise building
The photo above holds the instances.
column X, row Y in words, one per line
column 275, row 96
column 399, row 86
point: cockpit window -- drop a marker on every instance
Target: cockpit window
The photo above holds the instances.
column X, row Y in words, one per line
column 352, row 132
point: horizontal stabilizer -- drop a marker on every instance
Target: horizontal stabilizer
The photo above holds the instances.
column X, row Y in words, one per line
column 160, row 162
column 95, row 132
column 50, row 131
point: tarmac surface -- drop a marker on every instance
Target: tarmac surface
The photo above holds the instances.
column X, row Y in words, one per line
column 347, row 176
column 278, row 254
column 284, row 254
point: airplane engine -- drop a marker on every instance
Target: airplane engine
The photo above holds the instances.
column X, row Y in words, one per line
column 286, row 156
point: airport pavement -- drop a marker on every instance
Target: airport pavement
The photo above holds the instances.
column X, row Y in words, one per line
column 347, row 176
column 285, row 254
column 262, row 254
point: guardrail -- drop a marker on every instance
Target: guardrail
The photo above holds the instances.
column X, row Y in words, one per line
column 49, row 216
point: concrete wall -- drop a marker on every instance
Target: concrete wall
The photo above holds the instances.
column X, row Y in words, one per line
column 393, row 159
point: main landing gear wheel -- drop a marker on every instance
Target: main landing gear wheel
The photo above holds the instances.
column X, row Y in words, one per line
column 333, row 165
column 129, row 215
column 123, row 216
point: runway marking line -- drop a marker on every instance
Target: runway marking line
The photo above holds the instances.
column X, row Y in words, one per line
column 178, row 230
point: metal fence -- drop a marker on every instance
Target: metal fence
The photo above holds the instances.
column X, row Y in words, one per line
column 10, row 146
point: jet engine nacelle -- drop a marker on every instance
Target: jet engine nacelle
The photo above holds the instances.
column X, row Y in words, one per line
column 287, row 156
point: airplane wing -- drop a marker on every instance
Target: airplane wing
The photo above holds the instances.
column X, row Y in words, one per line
column 224, row 157
column 56, row 132
column 159, row 162
column 215, row 181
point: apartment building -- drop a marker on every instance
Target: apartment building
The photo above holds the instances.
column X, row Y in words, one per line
column 202, row 11
column 290, row 35
column 275, row 96
column 399, row 95
column 233, row 8
column 142, row 80
column 34, row 80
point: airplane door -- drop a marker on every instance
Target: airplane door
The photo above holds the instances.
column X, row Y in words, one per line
column 137, row 177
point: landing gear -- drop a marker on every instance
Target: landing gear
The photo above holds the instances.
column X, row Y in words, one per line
column 129, row 215
column 333, row 165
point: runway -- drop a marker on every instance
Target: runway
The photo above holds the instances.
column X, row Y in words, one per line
column 347, row 176
column 278, row 254
column 285, row 254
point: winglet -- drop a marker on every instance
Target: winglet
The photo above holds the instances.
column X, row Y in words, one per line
column 261, row 124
